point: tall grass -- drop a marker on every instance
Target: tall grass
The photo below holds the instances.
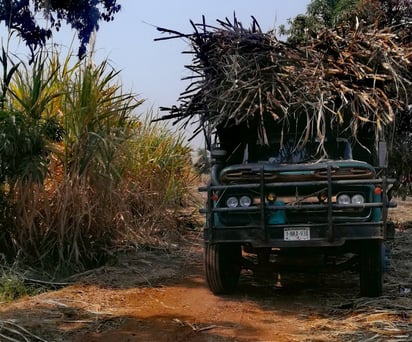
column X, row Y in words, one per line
column 161, row 176
column 108, row 178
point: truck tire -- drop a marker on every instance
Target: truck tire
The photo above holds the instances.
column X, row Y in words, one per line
column 222, row 267
column 371, row 268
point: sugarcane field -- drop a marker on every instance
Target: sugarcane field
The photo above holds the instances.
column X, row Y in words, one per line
column 298, row 228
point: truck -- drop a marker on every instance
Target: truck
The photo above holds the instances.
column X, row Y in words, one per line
column 317, row 206
column 298, row 137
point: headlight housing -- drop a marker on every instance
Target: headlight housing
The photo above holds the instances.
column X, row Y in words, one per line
column 346, row 199
column 232, row 202
column 358, row 199
column 239, row 201
column 245, row 201
column 343, row 199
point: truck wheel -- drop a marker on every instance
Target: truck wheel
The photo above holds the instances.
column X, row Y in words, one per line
column 222, row 266
column 371, row 268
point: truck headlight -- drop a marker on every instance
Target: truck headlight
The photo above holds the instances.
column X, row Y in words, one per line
column 358, row 199
column 245, row 201
column 232, row 202
column 343, row 199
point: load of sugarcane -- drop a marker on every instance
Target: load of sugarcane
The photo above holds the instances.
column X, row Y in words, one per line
column 346, row 77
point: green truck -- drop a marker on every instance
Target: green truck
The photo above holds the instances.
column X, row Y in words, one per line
column 287, row 207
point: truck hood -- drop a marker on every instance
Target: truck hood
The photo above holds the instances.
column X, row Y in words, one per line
column 253, row 172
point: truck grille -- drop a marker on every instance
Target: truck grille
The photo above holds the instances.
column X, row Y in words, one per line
column 304, row 193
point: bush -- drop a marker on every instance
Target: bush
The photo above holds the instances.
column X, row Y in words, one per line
column 12, row 286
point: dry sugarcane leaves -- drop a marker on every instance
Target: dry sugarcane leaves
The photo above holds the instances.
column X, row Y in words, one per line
column 243, row 76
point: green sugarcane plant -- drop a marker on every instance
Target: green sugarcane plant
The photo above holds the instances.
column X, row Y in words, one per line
column 100, row 177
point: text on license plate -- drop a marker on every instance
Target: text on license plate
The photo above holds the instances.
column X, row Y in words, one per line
column 296, row 234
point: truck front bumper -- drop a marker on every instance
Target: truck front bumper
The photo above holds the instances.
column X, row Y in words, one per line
column 316, row 235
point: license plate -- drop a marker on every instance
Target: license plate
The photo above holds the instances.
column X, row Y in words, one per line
column 296, row 234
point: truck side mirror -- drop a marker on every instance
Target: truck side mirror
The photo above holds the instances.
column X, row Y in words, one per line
column 382, row 154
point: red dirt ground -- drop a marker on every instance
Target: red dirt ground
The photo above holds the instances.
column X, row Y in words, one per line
column 159, row 296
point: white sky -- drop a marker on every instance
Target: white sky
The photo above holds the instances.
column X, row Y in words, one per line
column 153, row 70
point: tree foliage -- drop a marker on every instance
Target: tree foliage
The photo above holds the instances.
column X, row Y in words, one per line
column 332, row 13
column 83, row 16
column 319, row 14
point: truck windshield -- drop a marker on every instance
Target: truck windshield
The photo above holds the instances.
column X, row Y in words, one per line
column 332, row 149
column 291, row 153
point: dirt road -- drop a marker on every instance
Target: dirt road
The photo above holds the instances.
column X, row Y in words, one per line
column 159, row 296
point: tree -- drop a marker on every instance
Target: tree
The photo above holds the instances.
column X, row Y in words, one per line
column 319, row 14
column 332, row 13
column 83, row 16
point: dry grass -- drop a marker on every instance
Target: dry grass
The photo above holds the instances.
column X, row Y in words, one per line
column 402, row 214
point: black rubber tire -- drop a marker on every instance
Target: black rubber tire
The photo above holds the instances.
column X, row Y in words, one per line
column 371, row 268
column 222, row 267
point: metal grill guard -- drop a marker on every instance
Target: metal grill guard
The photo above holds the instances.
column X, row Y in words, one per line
column 277, row 178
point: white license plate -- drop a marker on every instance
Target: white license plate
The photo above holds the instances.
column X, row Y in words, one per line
column 296, row 234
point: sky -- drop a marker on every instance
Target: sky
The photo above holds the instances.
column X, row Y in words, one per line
column 153, row 69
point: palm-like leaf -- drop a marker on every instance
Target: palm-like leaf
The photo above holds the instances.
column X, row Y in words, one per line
column 97, row 117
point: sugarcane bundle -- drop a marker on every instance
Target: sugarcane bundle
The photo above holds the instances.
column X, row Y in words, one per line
column 346, row 78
